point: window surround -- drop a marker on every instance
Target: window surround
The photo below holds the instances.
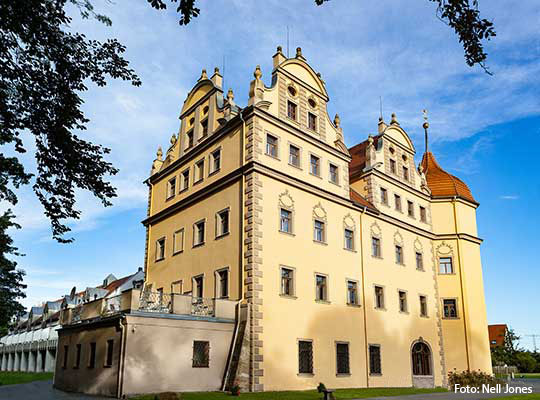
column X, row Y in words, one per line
column 392, row 166
column 316, row 117
column 330, row 165
column 421, row 253
column 217, row 282
column 306, row 374
column 164, row 239
column 324, row 230
column 378, row 237
column 311, row 154
column 109, row 345
column 211, row 161
column 326, row 298
column 351, row 229
column 293, row 270
column 190, row 137
column 194, row 286
column 179, row 283
column 297, row 109
column 291, row 223
column 383, row 308
column 198, row 171
column 175, row 250
column 423, row 214
column 78, row 356
column 171, row 188
column 183, row 185
column 197, row 244
column 410, row 209
column 289, row 145
column 384, row 198
column 451, row 263
column 202, row 126
column 406, row 311
column 92, row 355
column 457, row 307
column 278, row 145
column 205, row 363
column 420, row 295
column 218, row 222
column 357, row 304
column 336, row 343
column 398, row 206
column 401, row 261
column 380, row 359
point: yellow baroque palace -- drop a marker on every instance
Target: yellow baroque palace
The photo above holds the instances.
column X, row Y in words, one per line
column 277, row 258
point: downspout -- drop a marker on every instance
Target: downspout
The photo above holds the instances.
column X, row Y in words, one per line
column 461, row 277
column 122, row 361
column 364, row 297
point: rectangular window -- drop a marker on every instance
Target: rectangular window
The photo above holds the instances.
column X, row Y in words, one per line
column 423, row 306
column 271, row 145
column 109, row 353
column 160, row 249
column 419, row 261
column 321, row 290
column 384, row 196
column 397, row 200
column 318, row 231
column 198, row 233
column 291, row 110
column 375, row 359
column 204, row 126
column 287, row 282
column 315, row 165
column 215, row 161
column 399, row 254
column 402, row 301
column 92, row 358
column 171, row 187
column 349, row 239
column 379, row 297
column 445, row 265
column 375, row 247
column 312, row 121
column 66, row 353
column 334, row 177
column 410, row 208
column 189, row 136
column 342, row 358
column 223, row 276
column 185, row 180
column 392, row 166
column 406, row 173
column 201, row 354
column 294, row 155
column 449, row 308
column 305, row 357
column 78, row 349
column 178, row 241
column 198, row 286
column 352, row 293
column 222, row 223
column 423, row 214
column 199, row 171
column 285, row 224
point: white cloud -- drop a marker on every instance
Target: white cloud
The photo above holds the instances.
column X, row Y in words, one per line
column 509, row 197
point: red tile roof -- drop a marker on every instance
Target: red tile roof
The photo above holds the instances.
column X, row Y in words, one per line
column 441, row 183
column 360, row 200
column 358, row 161
column 496, row 334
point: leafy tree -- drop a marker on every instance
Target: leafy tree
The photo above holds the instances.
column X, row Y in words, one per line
column 11, row 286
column 525, row 361
column 462, row 16
column 44, row 68
column 506, row 354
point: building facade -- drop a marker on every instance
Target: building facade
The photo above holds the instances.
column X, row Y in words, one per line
column 349, row 266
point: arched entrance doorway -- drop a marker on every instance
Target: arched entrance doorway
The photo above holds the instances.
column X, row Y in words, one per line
column 422, row 368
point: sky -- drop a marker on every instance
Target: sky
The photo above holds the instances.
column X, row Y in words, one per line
column 484, row 129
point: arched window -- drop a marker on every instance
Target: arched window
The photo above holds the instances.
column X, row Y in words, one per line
column 421, row 359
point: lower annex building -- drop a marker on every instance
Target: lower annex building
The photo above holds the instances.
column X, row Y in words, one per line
column 277, row 258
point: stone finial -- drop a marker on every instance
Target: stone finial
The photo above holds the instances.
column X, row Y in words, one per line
column 203, row 75
column 257, row 73
column 370, row 140
column 425, row 125
column 159, row 153
column 279, row 49
column 337, row 121
column 230, row 95
column 394, row 120
column 173, row 139
column 299, row 52
column 216, row 70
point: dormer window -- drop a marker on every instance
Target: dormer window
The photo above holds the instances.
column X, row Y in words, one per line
column 406, row 173
column 392, row 166
column 291, row 110
column 312, row 121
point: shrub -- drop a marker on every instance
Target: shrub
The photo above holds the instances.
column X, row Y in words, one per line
column 471, row 378
column 235, row 390
column 321, row 388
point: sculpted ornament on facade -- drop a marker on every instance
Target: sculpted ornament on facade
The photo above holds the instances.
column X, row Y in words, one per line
column 444, row 249
column 398, row 238
column 319, row 212
column 375, row 229
column 286, row 200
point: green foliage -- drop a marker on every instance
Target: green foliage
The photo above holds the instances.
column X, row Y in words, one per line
column 13, row 378
column 462, row 16
column 525, row 361
column 321, row 388
column 11, row 279
column 471, row 378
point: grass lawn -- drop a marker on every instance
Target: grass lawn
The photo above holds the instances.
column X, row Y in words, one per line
column 341, row 394
column 13, row 377
column 528, row 376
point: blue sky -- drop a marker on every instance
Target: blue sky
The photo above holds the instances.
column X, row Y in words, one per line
column 484, row 129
